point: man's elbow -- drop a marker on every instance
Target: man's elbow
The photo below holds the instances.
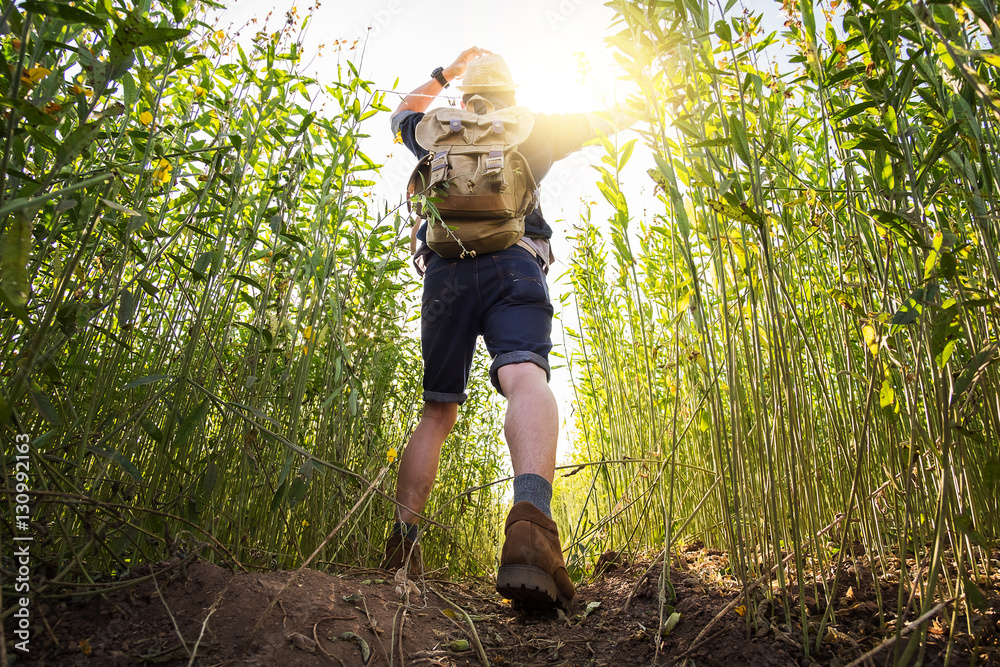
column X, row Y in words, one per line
column 395, row 120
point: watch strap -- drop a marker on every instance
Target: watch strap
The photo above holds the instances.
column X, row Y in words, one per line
column 438, row 75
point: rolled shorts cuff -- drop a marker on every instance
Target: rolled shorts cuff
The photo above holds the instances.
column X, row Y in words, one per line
column 517, row 358
column 441, row 397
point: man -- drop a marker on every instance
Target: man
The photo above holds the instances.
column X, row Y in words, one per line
column 503, row 297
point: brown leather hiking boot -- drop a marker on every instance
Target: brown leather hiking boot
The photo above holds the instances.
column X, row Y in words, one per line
column 399, row 550
column 532, row 570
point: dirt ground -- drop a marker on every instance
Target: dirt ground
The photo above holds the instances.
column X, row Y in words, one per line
column 375, row 618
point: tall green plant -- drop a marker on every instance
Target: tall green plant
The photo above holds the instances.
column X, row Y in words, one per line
column 207, row 322
column 807, row 329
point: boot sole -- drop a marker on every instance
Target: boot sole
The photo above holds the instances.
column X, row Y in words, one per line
column 530, row 587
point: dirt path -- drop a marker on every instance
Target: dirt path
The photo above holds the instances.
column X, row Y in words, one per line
column 367, row 617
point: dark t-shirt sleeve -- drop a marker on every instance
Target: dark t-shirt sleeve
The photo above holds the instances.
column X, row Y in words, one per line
column 404, row 124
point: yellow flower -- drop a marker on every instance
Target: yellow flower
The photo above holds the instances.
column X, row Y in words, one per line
column 145, row 118
column 391, row 454
column 219, row 35
column 305, row 523
column 200, row 92
column 162, row 172
column 32, row 76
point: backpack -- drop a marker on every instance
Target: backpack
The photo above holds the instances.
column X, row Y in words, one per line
column 483, row 184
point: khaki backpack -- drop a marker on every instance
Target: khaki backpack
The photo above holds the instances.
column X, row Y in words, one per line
column 482, row 184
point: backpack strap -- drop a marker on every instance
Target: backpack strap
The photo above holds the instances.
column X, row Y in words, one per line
column 471, row 104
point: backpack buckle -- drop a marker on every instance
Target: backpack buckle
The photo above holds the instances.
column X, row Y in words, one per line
column 494, row 162
column 498, row 126
column 455, row 125
column 439, row 167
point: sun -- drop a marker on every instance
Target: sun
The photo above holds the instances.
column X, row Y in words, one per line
column 567, row 71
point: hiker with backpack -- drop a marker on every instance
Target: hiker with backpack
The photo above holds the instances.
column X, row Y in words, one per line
column 482, row 246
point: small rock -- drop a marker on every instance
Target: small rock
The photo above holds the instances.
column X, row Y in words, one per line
column 300, row 641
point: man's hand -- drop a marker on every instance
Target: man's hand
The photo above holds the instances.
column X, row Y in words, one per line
column 420, row 99
column 456, row 70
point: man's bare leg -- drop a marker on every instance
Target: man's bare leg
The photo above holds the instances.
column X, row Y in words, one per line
column 532, row 569
column 531, row 425
column 419, row 463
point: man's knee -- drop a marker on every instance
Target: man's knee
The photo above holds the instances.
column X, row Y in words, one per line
column 445, row 414
column 515, row 376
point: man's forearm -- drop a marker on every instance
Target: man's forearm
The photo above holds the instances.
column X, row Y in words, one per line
column 420, row 98
column 619, row 120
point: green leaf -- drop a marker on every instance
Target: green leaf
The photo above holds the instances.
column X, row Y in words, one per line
column 844, row 74
column 127, row 466
column 202, row 265
column 898, row 224
column 973, row 594
column 854, row 110
column 974, row 371
column 709, row 143
column 126, row 309
column 740, row 214
column 739, row 134
column 872, row 143
column 946, row 325
column 964, row 524
column 151, row 429
column 723, row 31
column 130, row 92
column 942, row 144
column 148, row 287
column 14, row 255
column 808, row 20
column 890, row 121
column 149, row 379
column 180, row 9
column 77, row 140
column 366, row 652
column 670, row 624
column 626, row 153
column 45, row 407
column 279, row 495
column 949, row 265
column 209, row 478
column 886, row 396
column 247, row 280
column 910, row 310
column 189, row 425
column 26, row 203
column 62, row 11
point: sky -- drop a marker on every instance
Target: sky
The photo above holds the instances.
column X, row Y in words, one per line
column 557, row 55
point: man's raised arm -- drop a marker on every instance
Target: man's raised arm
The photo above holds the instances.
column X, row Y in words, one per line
column 420, row 98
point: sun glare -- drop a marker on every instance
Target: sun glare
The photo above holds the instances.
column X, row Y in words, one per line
column 568, row 70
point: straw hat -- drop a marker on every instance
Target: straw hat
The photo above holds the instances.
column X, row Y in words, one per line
column 486, row 74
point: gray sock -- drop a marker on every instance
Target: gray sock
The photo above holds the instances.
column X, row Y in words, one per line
column 408, row 530
column 536, row 490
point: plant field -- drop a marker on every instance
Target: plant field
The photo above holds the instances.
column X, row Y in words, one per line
column 787, row 414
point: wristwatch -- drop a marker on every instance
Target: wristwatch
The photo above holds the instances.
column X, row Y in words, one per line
column 438, row 74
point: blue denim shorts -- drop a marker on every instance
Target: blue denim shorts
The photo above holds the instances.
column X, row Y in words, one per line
column 501, row 296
